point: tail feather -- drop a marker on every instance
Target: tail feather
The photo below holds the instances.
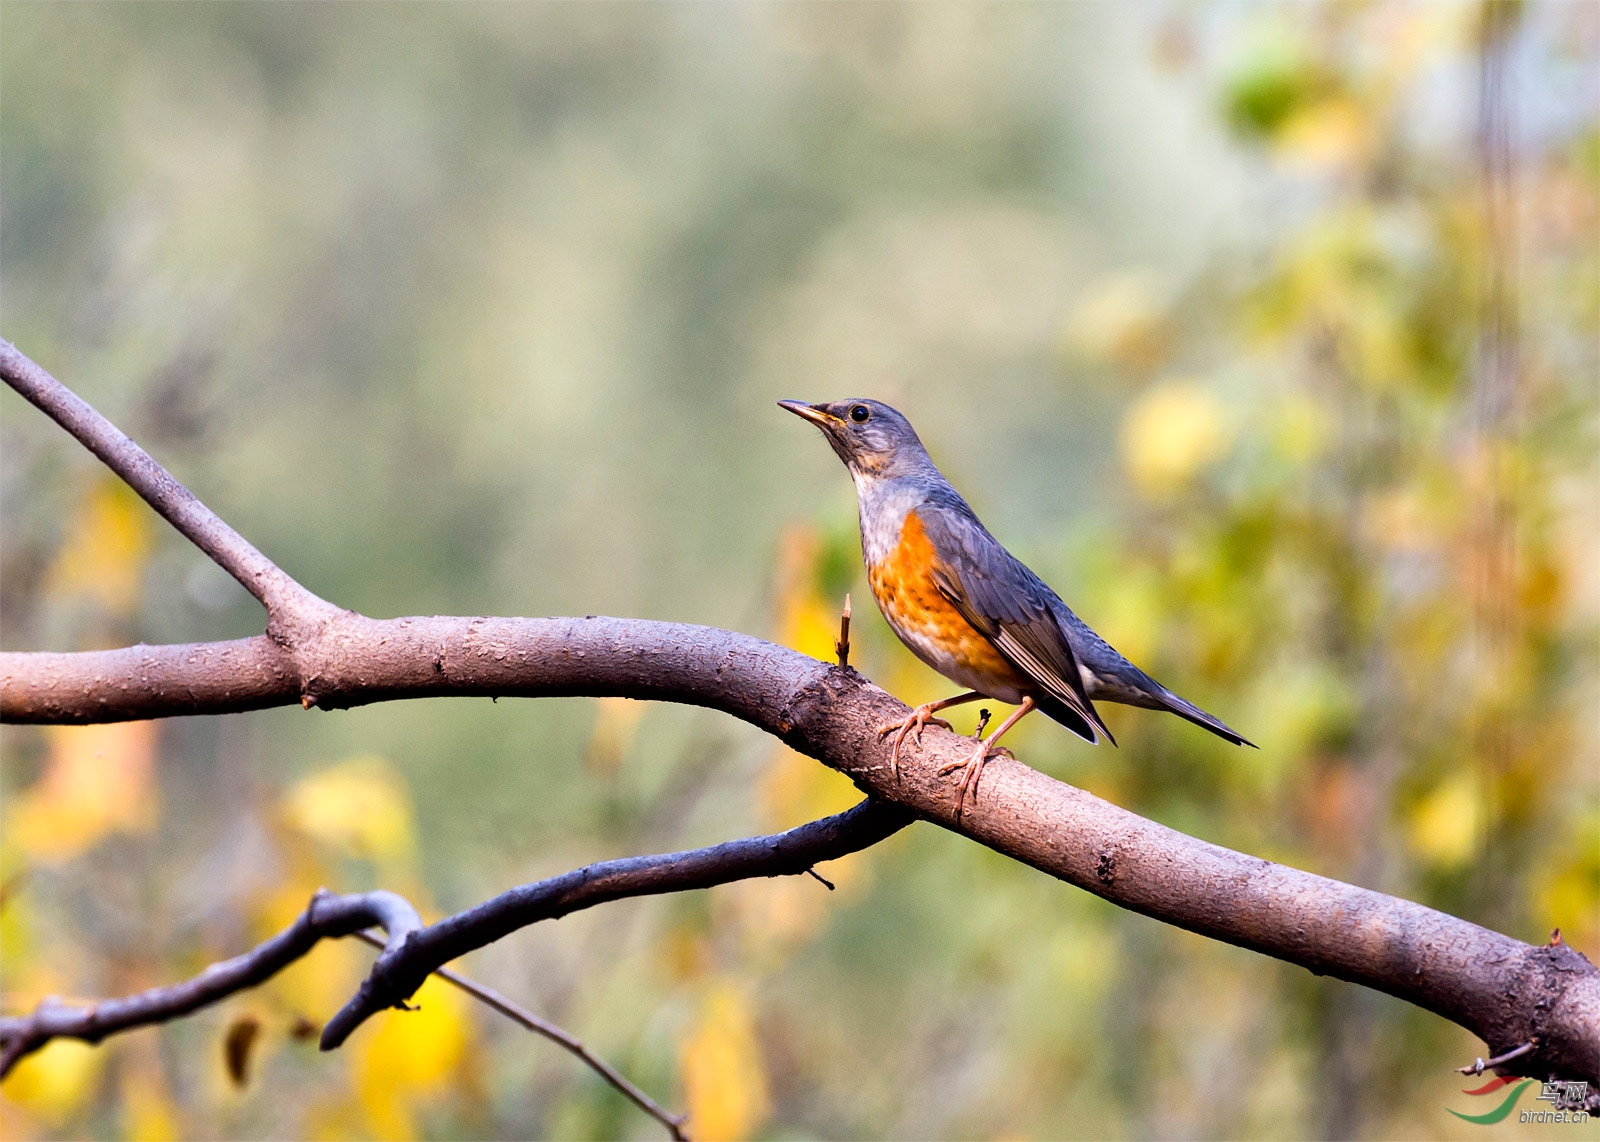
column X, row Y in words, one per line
column 1167, row 700
column 1109, row 677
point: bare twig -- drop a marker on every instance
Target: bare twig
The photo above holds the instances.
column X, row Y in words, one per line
column 326, row 916
column 176, row 504
column 842, row 647
column 519, row 1014
column 820, row 879
column 412, row 952
column 1478, row 1067
column 1501, row 989
column 400, row 970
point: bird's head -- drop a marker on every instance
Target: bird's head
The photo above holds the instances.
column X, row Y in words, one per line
column 869, row 436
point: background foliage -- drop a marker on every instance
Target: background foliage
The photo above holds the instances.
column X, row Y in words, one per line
column 1266, row 333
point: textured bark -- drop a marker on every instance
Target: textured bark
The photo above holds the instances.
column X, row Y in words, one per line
column 412, row 951
column 1503, row 990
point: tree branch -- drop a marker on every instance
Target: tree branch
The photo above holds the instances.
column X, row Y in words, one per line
column 413, row 951
column 489, row 997
column 1501, row 989
column 327, row 916
column 139, row 470
column 402, row 967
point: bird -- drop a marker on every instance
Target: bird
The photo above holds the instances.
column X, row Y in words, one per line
column 966, row 606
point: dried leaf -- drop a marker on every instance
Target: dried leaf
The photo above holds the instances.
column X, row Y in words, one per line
column 237, row 1046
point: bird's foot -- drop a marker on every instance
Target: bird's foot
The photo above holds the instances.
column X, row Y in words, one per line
column 971, row 769
column 913, row 725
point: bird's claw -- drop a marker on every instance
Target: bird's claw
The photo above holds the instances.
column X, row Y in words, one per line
column 971, row 769
column 913, row 724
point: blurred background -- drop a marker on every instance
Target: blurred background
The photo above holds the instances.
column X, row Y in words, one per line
column 1267, row 333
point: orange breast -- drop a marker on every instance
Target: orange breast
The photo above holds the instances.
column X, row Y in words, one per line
column 925, row 620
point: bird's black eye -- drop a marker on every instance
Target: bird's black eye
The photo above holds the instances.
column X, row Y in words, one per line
column 860, row 414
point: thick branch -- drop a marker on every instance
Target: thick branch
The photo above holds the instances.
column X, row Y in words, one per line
column 1503, row 990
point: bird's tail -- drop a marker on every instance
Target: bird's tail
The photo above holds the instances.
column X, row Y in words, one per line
column 1165, row 699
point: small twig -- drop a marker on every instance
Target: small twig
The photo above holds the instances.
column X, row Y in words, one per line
column 407, row 960
column 15, row 1050
column 1478, row 1067
column 842, row 647
column 140, row 471
column 400, row 970
column 561, row 1037
column 983, row 722
column 326, row 916
column 825, row 882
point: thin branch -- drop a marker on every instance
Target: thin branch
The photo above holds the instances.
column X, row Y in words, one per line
column 176, row 504
column 562, row 1038
column 327, row 916
column 413, row 951
column 1478, row 1067
column 1501, row 989
column 400, row 970
column 842, row 648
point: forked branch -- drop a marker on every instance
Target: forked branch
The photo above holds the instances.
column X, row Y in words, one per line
column 412, row 951
column 1507, row 992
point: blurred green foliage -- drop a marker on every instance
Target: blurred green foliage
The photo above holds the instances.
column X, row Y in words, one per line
column 1239, row 323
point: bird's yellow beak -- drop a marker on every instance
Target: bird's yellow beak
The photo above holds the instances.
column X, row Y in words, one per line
column 814, row 413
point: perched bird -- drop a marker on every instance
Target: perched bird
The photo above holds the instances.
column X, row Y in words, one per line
column 965, row 605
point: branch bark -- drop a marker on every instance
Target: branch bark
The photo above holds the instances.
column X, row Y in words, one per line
column 326, row 917
column 1501, row 989
column 403, row 965
column 412, row 951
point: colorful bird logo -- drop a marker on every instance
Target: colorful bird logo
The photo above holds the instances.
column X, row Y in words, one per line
column 1489, row 1118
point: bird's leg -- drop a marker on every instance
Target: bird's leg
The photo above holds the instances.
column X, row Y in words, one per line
column 973, row 766
column 913, row 724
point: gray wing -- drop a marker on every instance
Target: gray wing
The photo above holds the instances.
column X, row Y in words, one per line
column 1011, row 607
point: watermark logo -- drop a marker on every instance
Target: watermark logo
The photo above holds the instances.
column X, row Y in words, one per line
column 1566, row 1100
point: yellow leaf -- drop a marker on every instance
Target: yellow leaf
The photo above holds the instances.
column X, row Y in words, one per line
column 359, row 807
column 97, row 780
column 411, row 1058
column 1444, row 826
column 106, row 547
column 55, row 1082
column 1171, row 433
column 238, row 1045
column 725, row 1084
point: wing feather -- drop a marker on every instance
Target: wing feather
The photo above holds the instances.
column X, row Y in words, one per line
column 1023, row 631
